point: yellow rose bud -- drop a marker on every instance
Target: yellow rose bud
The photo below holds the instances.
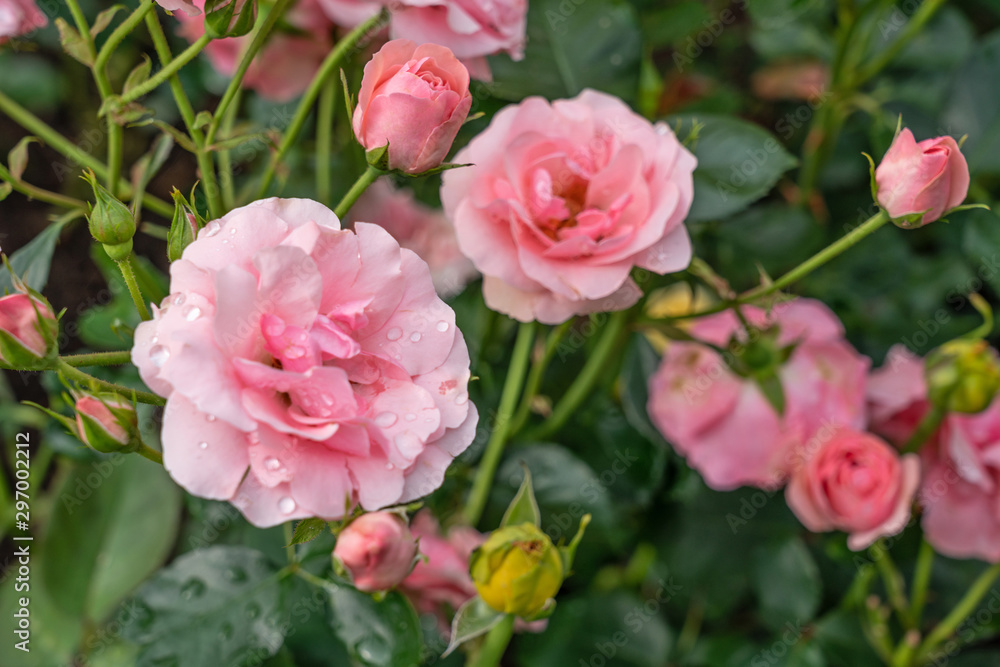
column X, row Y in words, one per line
column 517, row 570
column 963, row 376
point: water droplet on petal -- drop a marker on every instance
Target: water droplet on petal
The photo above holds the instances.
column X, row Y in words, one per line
column 415, row 337
column 232, row 230
column 385, row 419
column 442, row 326
column 286, row 505
column 295, row 352
column 411, row 417
column 461, row 399
column 408, row 444
column 272, row 463
column 179, row 299
column 210, row 418
column 191, row 313
column 202, row 445
column 389, row 466
column 212, row 228
column 394, row 333
column 159, row 355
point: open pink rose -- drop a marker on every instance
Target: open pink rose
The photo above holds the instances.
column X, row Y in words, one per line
column 419, row 228
column 724, row 424
column 930, row 177
column 897, row 395
column 471, row 29
column 307, row 368
column 286, row 65
column 857, row 483
column 564, row 200
column 187, row 6
column 415, row 99
column 378, row 551
column 19, row 17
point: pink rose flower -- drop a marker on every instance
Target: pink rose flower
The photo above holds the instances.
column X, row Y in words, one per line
column 854, row 482
column 897, row 395
column 419, row 228
column 187, row 6
column 930, row 177
column 471, row 29
column 19, row 17
column 441, row 584
column 415, row 99
column 564, row 200
column 19, row 319
column 286, row 65
column 378, row 551
column 724, row 424
column 307, row 368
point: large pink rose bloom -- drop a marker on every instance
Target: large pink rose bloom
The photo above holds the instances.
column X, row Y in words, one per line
column 286, row 65
column 472, row 29
column 854, row 482
column 306, row 368
column 564, row 199
column 19, row 17
column 724, row 424
column 929, row 177
column 424, row 230
column 960, row 493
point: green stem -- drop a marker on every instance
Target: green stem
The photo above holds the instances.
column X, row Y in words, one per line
column 916, row 23
column 593, row 370
column 305, row 575
column 58, row 142
column 327, row 69
column 360, row 185
column 225, row 159
column 496, row 643
column 893, row 581
column 324, row 139
column 534, row 382
column 98, row 358
column 33, row 192
column 260, row 36
column 128, row 273
column 148, row 452
column 154, row 82
column 86, row 379
column 962, row 610
column 120, row 33
column 501, row 427
column 289, row 533
column 925, row 429
column 921, row 581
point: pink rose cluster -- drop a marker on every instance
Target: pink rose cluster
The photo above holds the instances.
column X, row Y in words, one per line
column 564, row 199
column 307, row 368
column 287, row 63
column 839, row 477
column 960, row 491
column 417, row 227
column 471, row 29
column 19, row 17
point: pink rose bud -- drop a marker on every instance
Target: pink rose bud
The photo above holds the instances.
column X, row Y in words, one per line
column 28, row 330
column 378, row 551
column 105, row 423
column 854, row 482
column 19, row 17
column 917, row 183
column 413, row 99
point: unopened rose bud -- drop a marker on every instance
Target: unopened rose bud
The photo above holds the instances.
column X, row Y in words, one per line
column 917, row 183
column 183, row 228
column 111, row 223
column 517, row 570
column 106, row 423
column 378, row 551
column 963, row 376
column 28, row 330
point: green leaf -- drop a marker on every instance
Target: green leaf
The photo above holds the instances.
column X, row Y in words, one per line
column 572, row 46
column 376, row 633
column 73, row 44
column 669, row 25
column 17, row 159
column 215, row 606
column 641, row 361
column 5, row 190
column 981, row 244
column 974, row 109
column 32, row 261
column 738, row 163
column 473, row 619
column 114, row 524
column 523, row 508
column 308, row 530
column 622, row 628
column 103, row 19
column 786, row 581
column 138, row 75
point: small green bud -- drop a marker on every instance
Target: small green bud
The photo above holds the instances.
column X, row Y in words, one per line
column 963, row 376
column 111, row 222
column 517, row 570
column 183, row 228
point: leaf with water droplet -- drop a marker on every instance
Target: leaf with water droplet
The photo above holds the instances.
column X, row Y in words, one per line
column 212, row 606
column 376, row 633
